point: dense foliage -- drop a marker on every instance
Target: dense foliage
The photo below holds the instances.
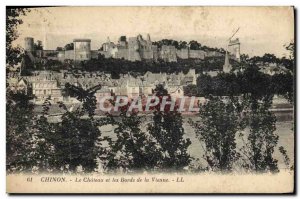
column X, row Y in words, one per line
column 19, row 131
column 192, row 45
column 120, row 66
column 217, row 130
column 13, row 19
column 167, row 129
column 134, row 149
column 250, row 81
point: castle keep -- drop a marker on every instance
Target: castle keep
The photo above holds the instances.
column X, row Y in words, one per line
column 135, row 49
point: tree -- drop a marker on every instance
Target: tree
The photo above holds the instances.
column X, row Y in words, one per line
column 286, row 158
column 13, row 20
column 261, row 140
column 77, row 139
column 133, row 150
column 59, row 49
column 19, row 131
column 77, row 142
column 44, row 136
column 87, row 97
column 291, row 48
column 19, row 109
column 283, row 84
column 244, row 58
column 216, row 129
column 256, row 90
column 269, row 58
column 175, row 44
column 194, row 45
column 182, row 45
column 38, row 45
column 69, row 46
column 167, row 129
column 191, row 90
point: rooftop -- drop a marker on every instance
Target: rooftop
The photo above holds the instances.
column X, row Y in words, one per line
column 81, row 40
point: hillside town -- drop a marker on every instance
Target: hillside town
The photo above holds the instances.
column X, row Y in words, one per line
column 45, row 84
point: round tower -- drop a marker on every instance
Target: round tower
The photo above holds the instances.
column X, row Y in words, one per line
column 29, row 44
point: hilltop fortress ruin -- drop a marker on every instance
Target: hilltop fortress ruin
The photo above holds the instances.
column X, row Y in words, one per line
column 132, row 49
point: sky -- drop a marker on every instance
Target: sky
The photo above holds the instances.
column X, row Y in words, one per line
column 261, row 29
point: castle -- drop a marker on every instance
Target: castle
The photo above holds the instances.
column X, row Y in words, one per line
column 138, row 49
column 134, row 49
column 80, row 52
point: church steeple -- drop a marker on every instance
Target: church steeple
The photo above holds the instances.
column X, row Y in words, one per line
column 227, row 67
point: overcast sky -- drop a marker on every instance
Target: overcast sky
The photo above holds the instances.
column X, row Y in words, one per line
column 262, row 29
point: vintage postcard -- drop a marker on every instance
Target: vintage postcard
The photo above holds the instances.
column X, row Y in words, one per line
column 150, row 100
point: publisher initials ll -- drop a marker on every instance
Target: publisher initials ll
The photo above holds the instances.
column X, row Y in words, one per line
column 179, row 179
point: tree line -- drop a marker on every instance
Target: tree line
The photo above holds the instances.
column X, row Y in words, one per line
column 40, row 146
column 116, row 67
column 250, row 80
column 76, row 144
column 192, row 45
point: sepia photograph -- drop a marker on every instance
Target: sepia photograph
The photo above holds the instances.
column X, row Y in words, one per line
column 150, row 99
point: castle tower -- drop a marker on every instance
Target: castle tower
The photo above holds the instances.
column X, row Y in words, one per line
column 148, row 38
column 29, row 44
column 149, row 44
column 234, row 45
column 82, row 49
column 133, row 49
column 139, row 37
column 122, row 42
column 227, row 67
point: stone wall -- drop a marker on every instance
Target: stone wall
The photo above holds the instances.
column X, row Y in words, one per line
column 182, row 53
column 168, row 53
column 122, row 53
column 106, row 54
column 94, row 54
column 197, row 54
column 69, row 54
column 214, row 54
column 146, row 54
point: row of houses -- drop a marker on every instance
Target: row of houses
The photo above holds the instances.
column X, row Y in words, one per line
column 45, row 84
